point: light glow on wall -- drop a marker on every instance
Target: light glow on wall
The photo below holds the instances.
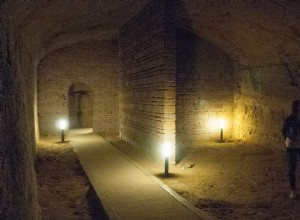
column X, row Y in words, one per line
column 221, row 123
column 215, row 124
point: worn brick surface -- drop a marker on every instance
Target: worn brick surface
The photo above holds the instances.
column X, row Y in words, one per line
column 147, row 65
column 93, row 63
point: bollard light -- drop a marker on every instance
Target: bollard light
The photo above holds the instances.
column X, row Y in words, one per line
column 62, row 126
column 222, row 125
column 166, row 154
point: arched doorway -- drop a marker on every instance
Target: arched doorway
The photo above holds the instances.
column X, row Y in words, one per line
column 80, row 106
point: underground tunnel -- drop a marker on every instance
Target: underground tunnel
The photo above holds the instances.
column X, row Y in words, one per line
column 147, row 72
column 80, row 106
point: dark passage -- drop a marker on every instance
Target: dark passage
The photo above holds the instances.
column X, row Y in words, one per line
column 80, row 106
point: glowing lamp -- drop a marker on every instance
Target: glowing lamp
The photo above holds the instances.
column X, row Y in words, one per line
column 222, row 125
column 166, row 153
column 167, row 149
column 62, row 125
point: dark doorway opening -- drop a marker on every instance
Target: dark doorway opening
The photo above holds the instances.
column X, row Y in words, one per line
column 80, row 106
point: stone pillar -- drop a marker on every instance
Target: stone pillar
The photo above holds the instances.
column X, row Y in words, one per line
column 147, row 65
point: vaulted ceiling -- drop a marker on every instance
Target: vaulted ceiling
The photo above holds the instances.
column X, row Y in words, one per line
column 44, row 26
column 251, row 32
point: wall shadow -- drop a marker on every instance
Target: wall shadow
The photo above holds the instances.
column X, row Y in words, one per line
column 95, row 207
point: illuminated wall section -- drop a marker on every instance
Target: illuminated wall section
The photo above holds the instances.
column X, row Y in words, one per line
column 263, row 99
column 205, row 90
column 147, row 66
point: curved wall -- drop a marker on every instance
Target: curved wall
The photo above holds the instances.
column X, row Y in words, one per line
column 263, row 99
column 18, row 191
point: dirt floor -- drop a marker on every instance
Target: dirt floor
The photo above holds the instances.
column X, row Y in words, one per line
column 228, row 180
column 63, row 189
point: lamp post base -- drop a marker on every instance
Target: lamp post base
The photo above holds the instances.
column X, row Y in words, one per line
column 221, row 136
column 62, row 135
column 166, row 166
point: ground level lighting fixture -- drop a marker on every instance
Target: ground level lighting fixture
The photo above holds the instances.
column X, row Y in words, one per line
column 166, row 154
column 62, row 126
column 221, row 125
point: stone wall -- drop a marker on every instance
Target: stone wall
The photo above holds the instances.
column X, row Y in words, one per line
column 263, row 99
column 204, row 90
column 147, row 66
column 18, row 191
column 93, row 63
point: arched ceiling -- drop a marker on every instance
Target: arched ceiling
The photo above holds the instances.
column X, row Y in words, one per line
column 251, row 32
column 44, row 26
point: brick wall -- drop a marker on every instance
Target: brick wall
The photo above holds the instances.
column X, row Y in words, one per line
column 205, row 88
column 147, row 64
column 93, row 63
column 18, row 191
column 263, row 99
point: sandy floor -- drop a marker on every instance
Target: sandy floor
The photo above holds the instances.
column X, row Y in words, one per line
column 228, row 180
column 63, row 188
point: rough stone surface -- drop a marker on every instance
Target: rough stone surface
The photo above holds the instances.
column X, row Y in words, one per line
column 18, row 191
column 93, row 63
column 254, row 33
column 263, row 99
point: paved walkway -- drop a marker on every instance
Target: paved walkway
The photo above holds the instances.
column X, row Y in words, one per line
column 126, row 190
